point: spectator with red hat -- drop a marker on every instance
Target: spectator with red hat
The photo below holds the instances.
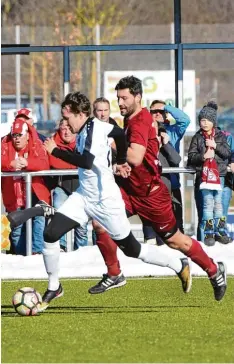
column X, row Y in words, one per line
column 22, row 150
column 27, row 115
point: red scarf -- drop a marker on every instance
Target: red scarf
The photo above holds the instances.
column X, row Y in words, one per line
column 210, row 173
column 62, row 145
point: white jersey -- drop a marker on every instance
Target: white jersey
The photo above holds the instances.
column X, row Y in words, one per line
column 98, row 196
column 97, row 183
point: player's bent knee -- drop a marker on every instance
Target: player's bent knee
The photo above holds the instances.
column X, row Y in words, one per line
column 50, row 235
column 129, row 246
column 180, row 241
column 52, row 232
column 58, row 226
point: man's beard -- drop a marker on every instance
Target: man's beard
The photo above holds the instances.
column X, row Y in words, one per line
column 130, row 111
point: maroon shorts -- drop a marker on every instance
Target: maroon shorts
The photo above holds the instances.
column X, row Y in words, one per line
column 156, row 208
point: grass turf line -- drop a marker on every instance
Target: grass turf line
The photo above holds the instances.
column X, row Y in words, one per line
column 147, row 321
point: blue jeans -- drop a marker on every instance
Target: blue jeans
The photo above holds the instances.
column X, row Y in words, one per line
column 38, row 227
column 18, row 236
column 209, row 207
column 226, row 199
column 80, row 233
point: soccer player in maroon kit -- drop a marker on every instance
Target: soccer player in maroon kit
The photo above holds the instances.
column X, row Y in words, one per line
column 143, row 191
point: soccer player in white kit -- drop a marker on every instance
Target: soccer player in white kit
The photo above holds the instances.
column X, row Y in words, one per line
column 98, row 196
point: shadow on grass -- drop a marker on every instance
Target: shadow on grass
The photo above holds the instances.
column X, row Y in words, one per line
column 102, row 309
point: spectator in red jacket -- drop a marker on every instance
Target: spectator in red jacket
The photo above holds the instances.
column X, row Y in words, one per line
column 22, row 150
column 65, row 185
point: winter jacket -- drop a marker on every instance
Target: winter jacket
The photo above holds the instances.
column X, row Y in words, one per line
column 229, row 179
column 37, row 160
column 197, row 150
column 176, row 133
column 168, row 157
column 232, row 157
column 68, row 183
column 177, row 130
column 112, row 121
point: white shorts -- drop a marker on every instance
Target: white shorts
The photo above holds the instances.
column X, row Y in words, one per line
column 110, row 213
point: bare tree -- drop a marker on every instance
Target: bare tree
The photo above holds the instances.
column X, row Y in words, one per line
column 73, row 22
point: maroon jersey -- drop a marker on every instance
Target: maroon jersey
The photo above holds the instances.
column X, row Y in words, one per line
column 140, row 130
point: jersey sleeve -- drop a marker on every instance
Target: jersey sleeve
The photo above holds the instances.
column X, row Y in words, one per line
column 139, row 133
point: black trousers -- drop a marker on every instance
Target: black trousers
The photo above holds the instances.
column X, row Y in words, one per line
column 178, row 208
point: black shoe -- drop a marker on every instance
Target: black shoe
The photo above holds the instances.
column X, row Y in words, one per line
column 49, row 295
column 48, row 210
column 223, row 239
column 209, row 240
column 221, row 233
column 185, row 275
column 219, row 281
column 108, row 282
column 209, row 233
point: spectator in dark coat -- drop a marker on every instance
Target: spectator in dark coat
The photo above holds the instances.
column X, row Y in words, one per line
column 160, row 112
column 168, row 157
column 101, row 110
column 209, row 153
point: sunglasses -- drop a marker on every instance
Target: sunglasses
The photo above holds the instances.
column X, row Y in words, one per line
column 16, row 135
column 157, row 111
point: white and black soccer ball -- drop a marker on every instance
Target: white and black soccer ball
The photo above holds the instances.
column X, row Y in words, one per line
column 26, row 301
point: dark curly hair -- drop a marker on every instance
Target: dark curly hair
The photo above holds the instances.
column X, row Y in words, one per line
column 132, row 83
column 78, row 102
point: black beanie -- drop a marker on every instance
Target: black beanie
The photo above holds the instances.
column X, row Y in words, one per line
column 209, row 112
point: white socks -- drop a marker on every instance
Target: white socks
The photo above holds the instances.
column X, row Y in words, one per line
column 51, row 254
column 153, row 254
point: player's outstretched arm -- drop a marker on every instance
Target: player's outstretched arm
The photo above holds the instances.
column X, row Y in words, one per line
column 84, row 160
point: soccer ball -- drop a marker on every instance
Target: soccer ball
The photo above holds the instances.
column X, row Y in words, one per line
column 26, row 301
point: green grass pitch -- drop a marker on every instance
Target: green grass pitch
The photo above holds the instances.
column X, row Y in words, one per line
column 147, row 321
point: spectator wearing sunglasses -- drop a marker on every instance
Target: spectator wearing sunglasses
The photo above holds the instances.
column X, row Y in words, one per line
column 22, row 150
column 159, row 111
column 27, row 115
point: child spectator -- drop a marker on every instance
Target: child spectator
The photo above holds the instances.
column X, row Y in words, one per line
column 209, row 153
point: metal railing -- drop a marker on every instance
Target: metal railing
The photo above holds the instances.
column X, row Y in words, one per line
column 64, row 172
